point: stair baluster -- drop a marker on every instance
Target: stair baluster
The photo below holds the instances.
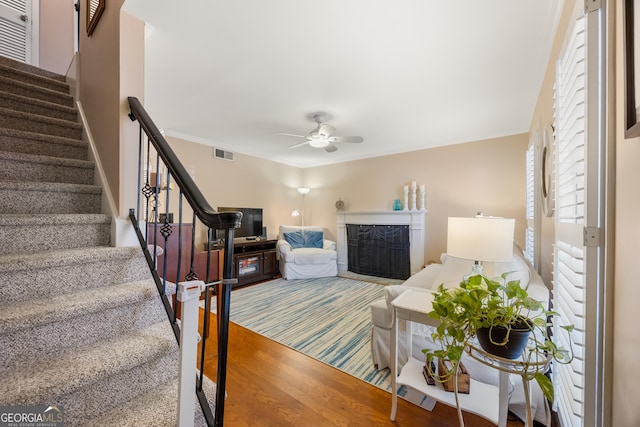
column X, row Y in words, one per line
column 204, row 213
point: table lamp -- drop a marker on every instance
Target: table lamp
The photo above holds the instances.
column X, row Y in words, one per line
column 481, row 239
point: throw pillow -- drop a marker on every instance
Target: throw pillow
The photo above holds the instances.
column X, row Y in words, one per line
column 313, row 239
column 518, row 269
column 295, row 239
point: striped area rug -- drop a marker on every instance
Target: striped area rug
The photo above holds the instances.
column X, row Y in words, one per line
column 327, row 319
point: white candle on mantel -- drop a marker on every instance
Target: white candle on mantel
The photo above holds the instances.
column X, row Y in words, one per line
column 406, row 188
column 422, row 188
column 413, row 185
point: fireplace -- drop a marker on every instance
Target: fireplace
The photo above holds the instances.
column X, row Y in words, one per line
column 379, row 250
column 414, row 220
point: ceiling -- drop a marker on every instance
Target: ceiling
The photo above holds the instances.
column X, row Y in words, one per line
column 404, row 74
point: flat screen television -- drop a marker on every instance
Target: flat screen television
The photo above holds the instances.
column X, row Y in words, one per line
column 251, row 225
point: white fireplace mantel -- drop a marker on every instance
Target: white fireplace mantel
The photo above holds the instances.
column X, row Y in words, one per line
column 414, row 219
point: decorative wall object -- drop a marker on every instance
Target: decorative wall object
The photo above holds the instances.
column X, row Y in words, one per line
column 547, row 190
column 94, row 11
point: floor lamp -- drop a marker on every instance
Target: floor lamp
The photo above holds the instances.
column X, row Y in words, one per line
column 300, row 212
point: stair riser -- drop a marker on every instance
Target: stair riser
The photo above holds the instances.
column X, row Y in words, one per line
column 69, row 278
column 39, row 109
column 65, row 129
column 10, row 86
column 39, row 202
column 12, row 170
column 53, row 339
column 34, row 80
column 44, row 148
column 50, row 237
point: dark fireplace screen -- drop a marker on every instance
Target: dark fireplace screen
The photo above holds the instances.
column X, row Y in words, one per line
column 379, row 250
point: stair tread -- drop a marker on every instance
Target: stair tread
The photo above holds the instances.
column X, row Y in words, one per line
column 39, row 219
column 49, row 187
column 36, row 101
column 36, row 158
column 144, row 409
column 40, row 381
column 30, row 117
column 31, row 69
column 63, row 85
column 28, row 314
column 12, row 262
column 64, row 97
column 16, row 133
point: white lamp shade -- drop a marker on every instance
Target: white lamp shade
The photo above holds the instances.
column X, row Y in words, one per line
column 304, row 190
column 481, row 239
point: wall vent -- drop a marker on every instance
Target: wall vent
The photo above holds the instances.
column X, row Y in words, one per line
column 219, row 153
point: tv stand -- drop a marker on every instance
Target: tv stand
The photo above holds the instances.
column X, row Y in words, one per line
column 254, row 260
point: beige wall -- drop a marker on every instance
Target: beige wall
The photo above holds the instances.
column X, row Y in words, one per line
column 100, row 88
column 460, row 180
column 247, row 182
column 111, row 71
column 131, row 62
column 484, row 176
column 56, row 35
column 626, row 337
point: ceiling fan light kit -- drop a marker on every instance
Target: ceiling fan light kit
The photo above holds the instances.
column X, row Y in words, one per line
column 321, row 136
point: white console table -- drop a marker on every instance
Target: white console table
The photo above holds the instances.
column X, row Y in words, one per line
column 488, row 401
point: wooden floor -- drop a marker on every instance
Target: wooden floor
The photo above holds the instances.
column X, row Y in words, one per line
column 269, row 384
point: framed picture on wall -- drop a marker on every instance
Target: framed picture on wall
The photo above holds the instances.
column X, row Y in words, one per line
column 631, row 72
column 94, row 12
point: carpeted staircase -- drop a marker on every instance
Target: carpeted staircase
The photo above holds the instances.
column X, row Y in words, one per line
column 81, row 323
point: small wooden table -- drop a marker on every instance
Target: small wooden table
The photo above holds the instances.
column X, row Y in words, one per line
column 414, row 306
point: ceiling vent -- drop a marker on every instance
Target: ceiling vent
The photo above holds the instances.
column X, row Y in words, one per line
column 219, row 153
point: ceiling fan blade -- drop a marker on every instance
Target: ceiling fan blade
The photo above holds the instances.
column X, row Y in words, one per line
column 346, row 139
column 291, row 134
column 299, row 145
column 330, row 148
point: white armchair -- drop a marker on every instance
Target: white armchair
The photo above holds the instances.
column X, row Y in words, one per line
column 304, row 253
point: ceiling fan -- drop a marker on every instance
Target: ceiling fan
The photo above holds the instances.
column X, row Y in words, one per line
column 322, row 135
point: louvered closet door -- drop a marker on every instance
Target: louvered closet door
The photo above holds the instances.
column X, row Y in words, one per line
column 16, row 30
column 579, row 223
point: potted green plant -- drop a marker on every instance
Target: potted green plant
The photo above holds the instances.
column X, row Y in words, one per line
column 483, row 304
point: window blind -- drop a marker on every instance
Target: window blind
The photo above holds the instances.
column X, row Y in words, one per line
column 568, row 277
column 529, row 250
